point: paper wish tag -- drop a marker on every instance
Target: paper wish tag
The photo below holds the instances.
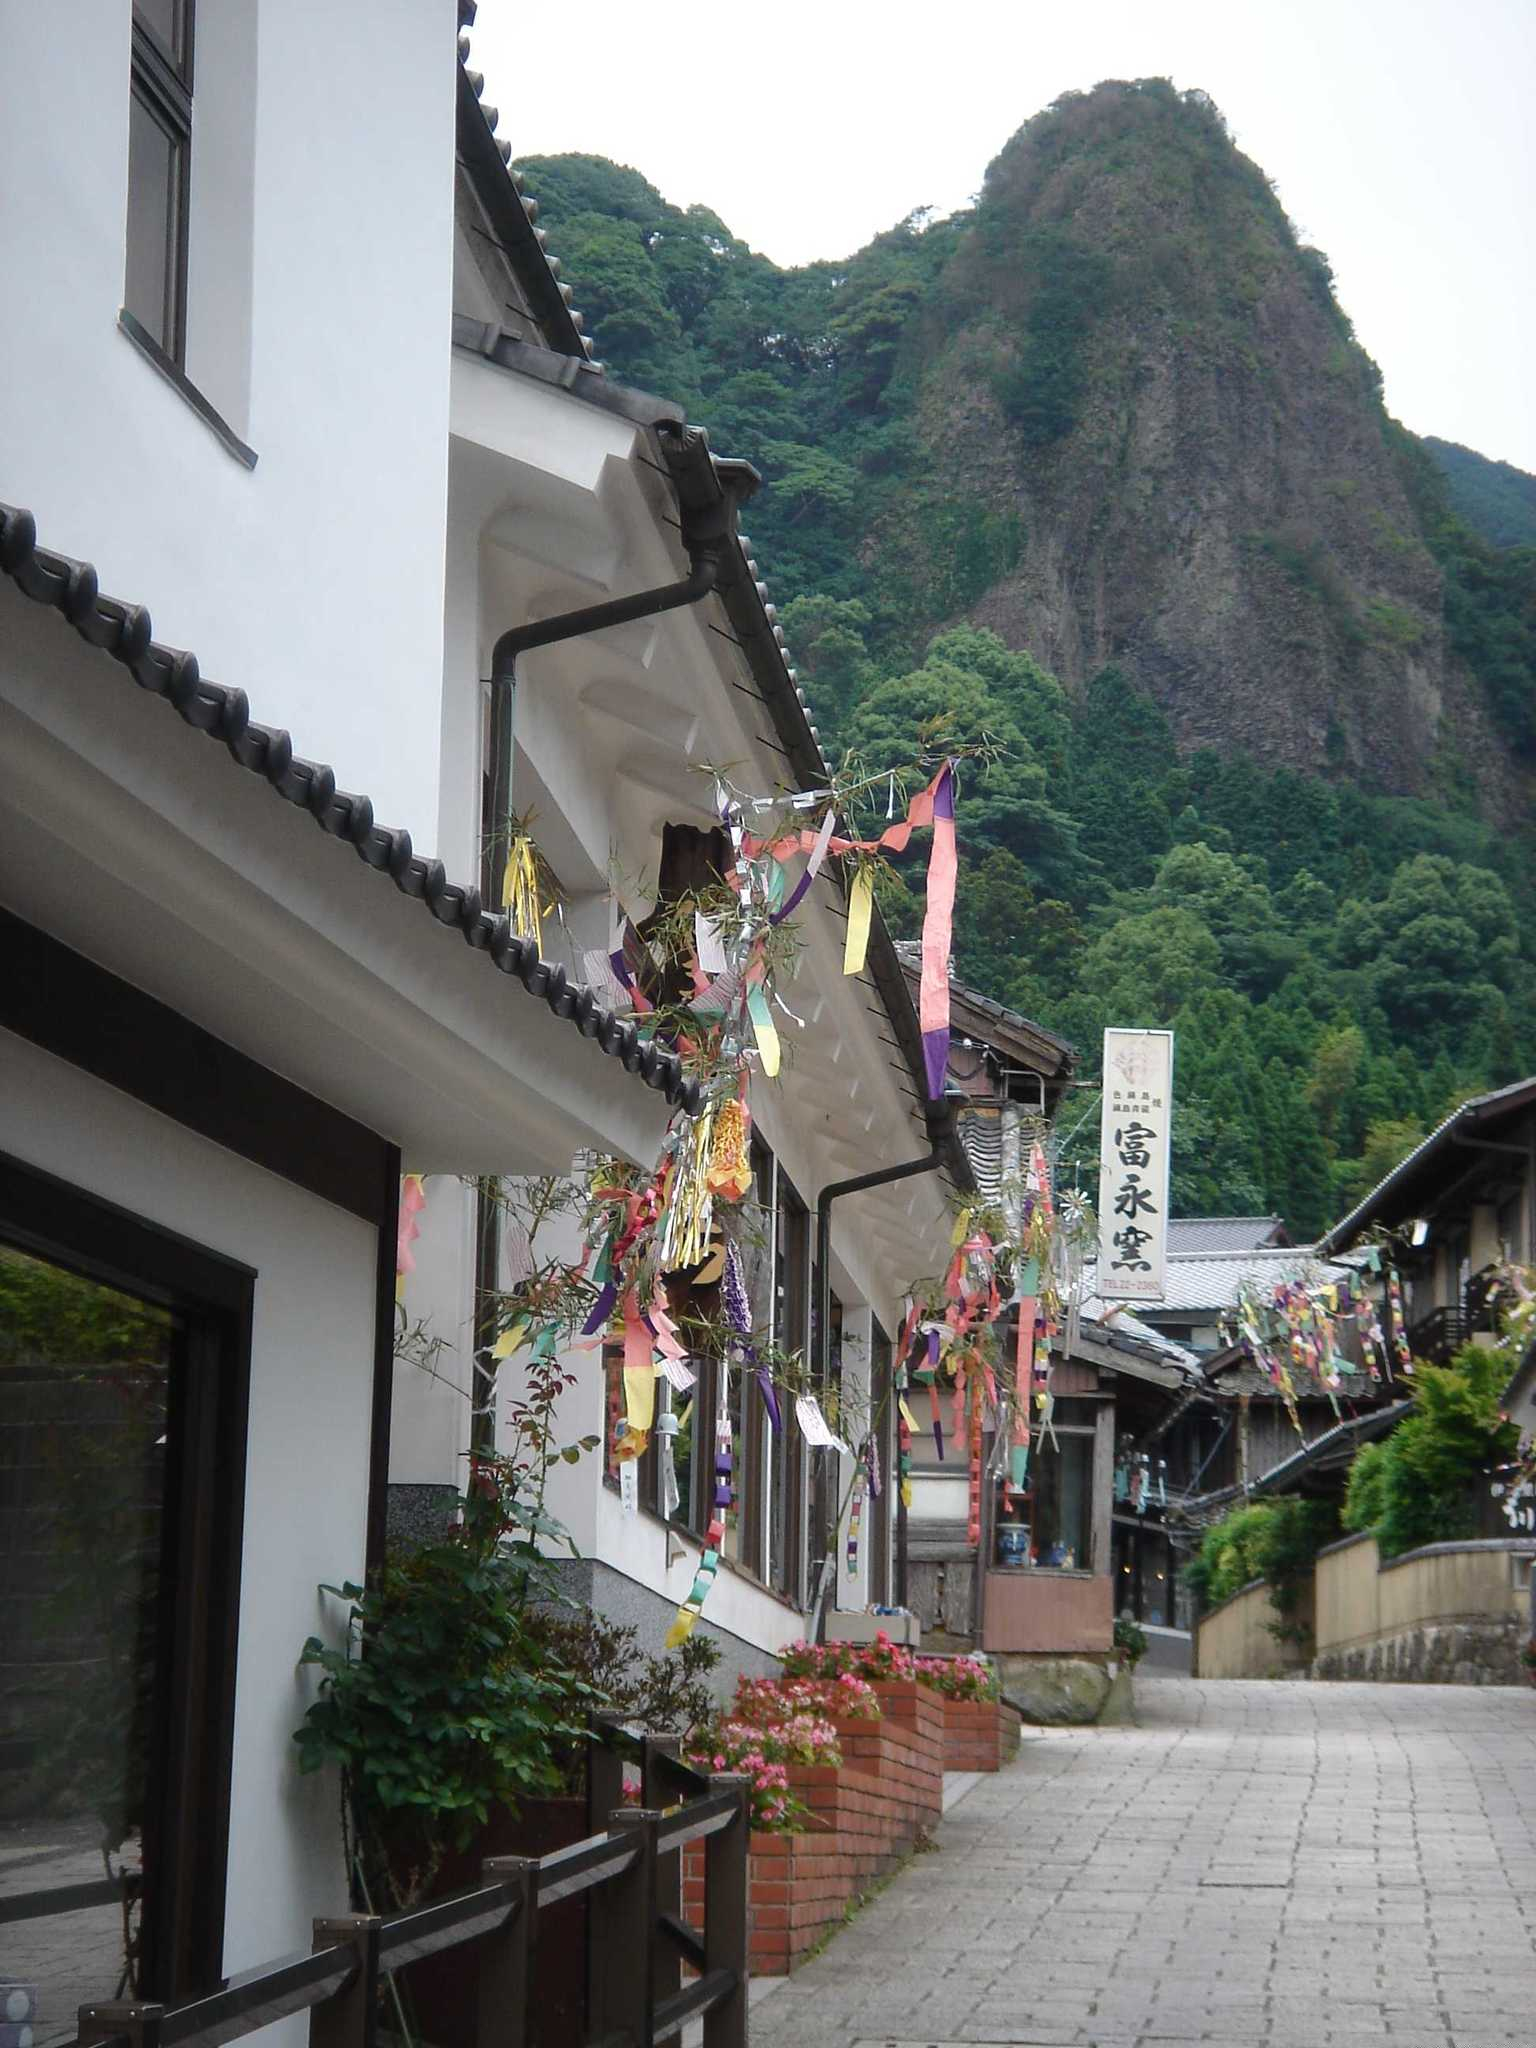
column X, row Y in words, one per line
column 813, row 1424
column 629, row 1485
column 682, row 1376
column 707, row 945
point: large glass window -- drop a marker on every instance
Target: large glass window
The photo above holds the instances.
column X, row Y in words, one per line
column 1060, row 1505
column 121, row 1427
column 159, row 164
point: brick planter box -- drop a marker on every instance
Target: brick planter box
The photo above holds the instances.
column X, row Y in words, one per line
column 979, row 1735
column 918, row 1712
column 863, row 1819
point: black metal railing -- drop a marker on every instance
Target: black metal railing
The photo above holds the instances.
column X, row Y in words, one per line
column 638, row 1942
column 1437, row 1337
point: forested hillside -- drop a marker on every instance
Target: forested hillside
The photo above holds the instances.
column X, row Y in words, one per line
column 1096, row 466
column 1494, row 498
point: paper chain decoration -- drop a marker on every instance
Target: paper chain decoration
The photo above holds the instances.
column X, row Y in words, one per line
column 1292, row 1332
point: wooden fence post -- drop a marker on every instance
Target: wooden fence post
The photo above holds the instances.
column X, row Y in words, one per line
column 349, row 2019
column 605, row 1791
column 624, row 1936
column 656, row 1752
column 725, row 1917
column 506, row 1958
column 131, row 2019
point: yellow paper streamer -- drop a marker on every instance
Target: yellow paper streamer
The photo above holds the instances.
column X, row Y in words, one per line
column 767, row 1032
column 861, row 902
column 640, row 1398
column 510, row 1341
column 682, row 1627
column 907, row 1416
column 520, row 888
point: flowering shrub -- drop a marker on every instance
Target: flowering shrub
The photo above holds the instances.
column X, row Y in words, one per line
column 873, row 1662
column 763, row 1755
column 767, row 1701
column 958, row 1678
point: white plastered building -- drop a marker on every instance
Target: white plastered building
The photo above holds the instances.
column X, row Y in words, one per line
column 296, row 421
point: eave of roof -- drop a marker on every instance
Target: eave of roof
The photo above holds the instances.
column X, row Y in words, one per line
column 512, row 215
column 1322, row 1450
column 1500, row 1102
column 740, row 590
column 1008, row 1030
column 124, row 631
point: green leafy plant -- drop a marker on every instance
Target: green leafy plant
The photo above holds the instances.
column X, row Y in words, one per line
column 1365, row 1490
column 437, row 1706
column 665, row 1692
column 1130, row 1640
column 1275, row 1542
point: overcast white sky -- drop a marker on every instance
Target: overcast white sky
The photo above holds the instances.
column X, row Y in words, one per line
column 1400, row 133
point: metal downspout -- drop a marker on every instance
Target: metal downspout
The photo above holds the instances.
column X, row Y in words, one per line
column 701, row 579
column 940, row 1120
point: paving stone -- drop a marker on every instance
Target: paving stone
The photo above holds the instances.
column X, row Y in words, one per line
column 1262, row 1865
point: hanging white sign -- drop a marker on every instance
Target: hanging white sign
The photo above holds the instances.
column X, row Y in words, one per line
column 1133, row 1165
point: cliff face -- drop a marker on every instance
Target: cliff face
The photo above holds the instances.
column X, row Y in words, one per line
column 1132, row 354
column 1112, row 411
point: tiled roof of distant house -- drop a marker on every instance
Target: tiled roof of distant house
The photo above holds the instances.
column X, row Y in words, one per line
column 1211, row 1283
column 1188, row 1235
column 1395, row 1195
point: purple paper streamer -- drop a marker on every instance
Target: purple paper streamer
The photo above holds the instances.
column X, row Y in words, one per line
column 933, row 1349
column 938, row 1437
column 602, row 1309
column 936, row 1061
column 765, row 1387
column 792, row 899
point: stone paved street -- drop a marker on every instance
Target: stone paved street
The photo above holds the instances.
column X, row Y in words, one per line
column 1287, row 1864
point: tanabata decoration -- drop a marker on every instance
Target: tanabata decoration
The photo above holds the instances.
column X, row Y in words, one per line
column 712, row 992
column 529, row 891
column 933, row 806
column 1314, row 1334
column 855, row 1519
column 714, row 1537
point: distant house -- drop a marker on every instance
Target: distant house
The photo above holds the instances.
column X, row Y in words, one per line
column 1456, row 1207
column 1088, row 1541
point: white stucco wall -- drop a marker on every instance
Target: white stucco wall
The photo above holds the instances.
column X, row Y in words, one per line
column 316, row 580
column 307, row 1458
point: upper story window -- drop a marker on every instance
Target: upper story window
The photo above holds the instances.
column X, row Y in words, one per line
column 159, row 172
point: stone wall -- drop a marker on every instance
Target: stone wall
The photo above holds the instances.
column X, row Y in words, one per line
column 1238, row 1639
column 1447, row 1614
column 1452, row 1653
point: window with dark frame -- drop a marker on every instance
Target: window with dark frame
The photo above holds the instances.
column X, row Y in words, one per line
column 124, row 1375
column 159, row 172
column 882, row 1424
column 791, row 1312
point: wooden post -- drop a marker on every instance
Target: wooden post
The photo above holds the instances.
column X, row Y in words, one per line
column 655, row 1794
column 605, row 1791
column 725, row 1918
column 350, row 2017
column 133, row 2019
column 624, row 1937
column 506, row 1958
